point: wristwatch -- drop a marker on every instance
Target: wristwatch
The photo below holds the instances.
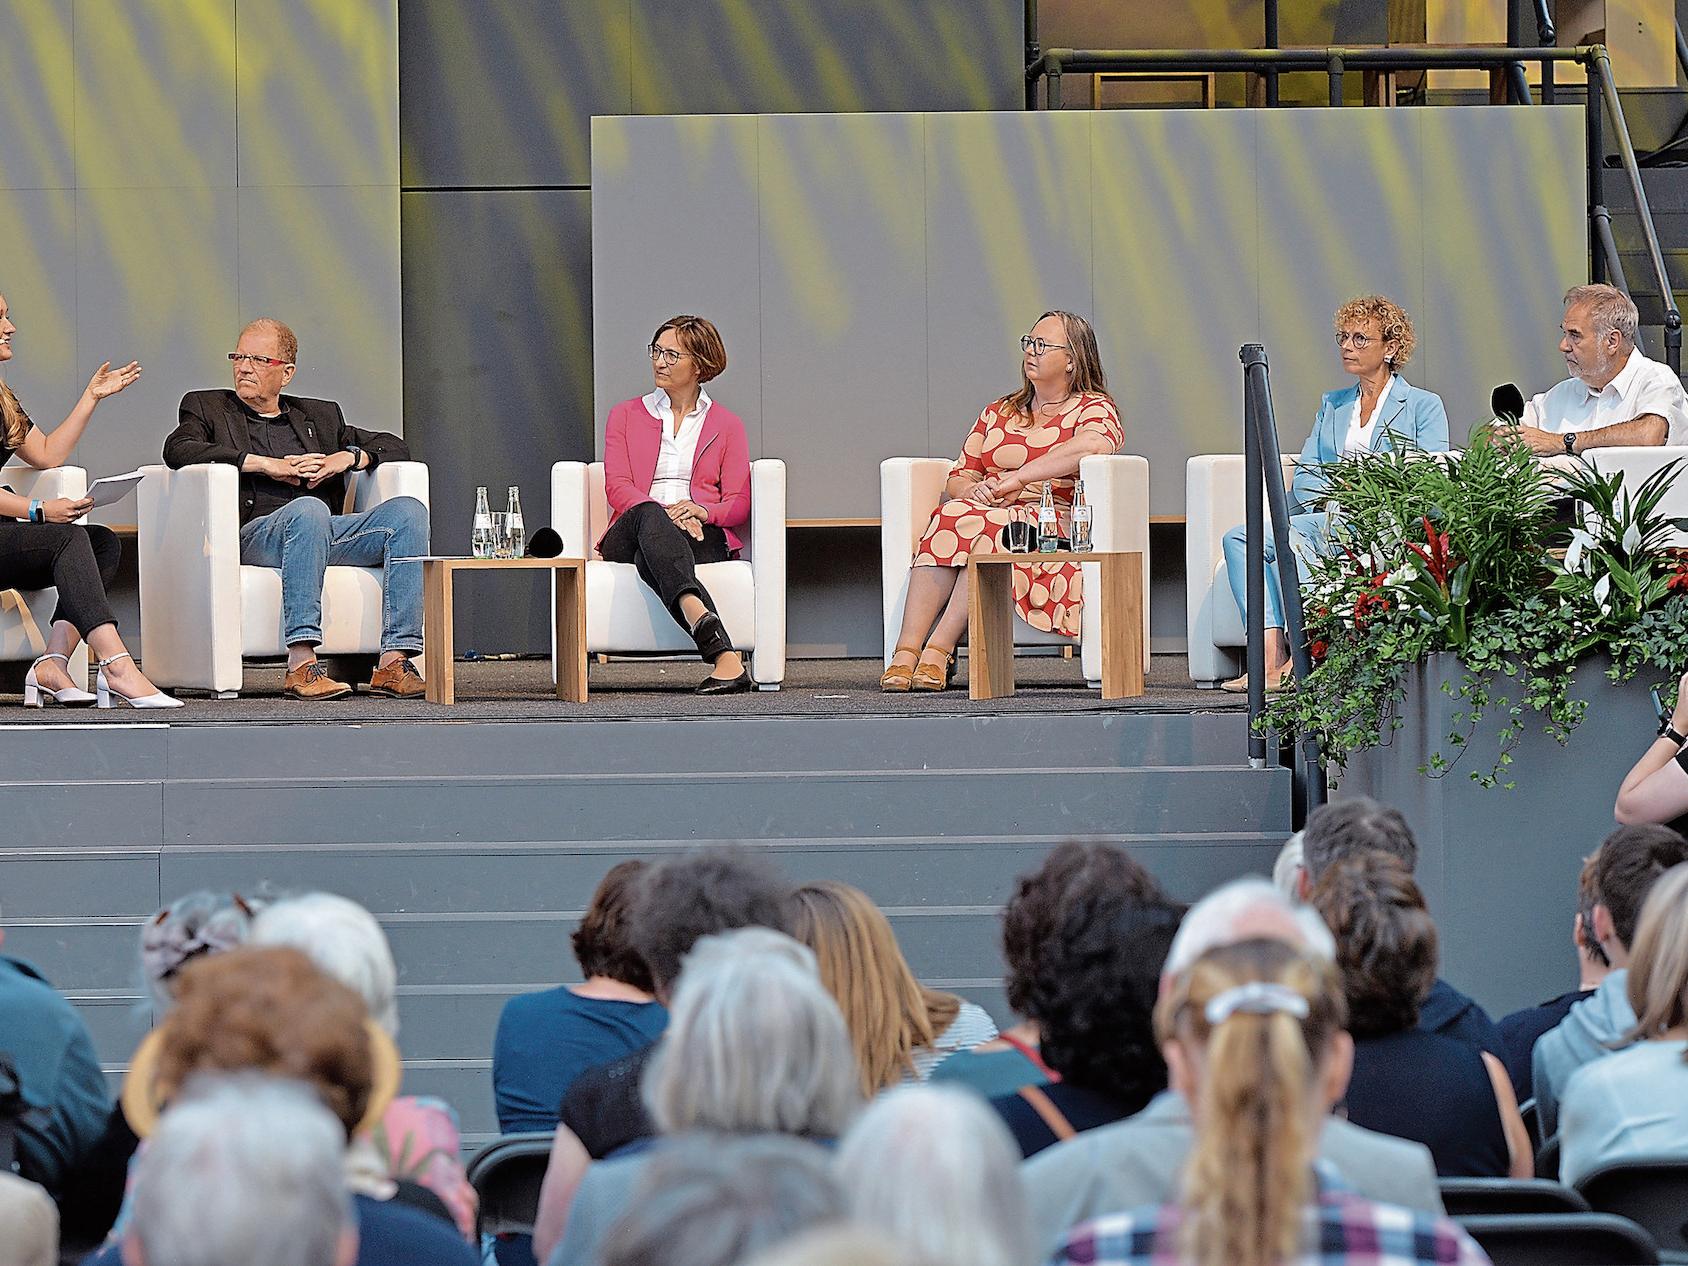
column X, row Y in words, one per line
column 1669, row 731
column 1571, row 443
column 357, row 455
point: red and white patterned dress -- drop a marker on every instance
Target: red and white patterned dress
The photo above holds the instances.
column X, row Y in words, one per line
column 1049, row 596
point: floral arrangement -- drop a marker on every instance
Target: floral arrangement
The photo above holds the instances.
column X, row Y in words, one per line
column 1517, row 569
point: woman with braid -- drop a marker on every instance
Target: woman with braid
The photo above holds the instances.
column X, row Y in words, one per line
column 1253, row 1038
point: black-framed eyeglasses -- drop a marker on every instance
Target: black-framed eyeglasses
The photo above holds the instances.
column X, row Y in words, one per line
column 667, row 355
column 1037, row 347
column 268, row 362
column 1358, row 339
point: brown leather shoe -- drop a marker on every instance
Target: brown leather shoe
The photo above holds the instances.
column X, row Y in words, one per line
column 398, row 680
column 311, row 681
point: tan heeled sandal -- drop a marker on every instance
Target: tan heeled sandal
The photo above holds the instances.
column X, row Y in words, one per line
column 933, row 673
column 896, row 678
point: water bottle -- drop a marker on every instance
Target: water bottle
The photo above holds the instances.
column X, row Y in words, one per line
column 1081, row 519
column 513, row 527
column 1048, row 526
column 480, row 536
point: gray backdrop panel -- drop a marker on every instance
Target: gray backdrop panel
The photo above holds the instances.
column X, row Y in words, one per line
column 1206, row 230
column 36, row 64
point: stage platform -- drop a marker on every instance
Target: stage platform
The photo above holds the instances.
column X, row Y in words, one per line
column 476, row 833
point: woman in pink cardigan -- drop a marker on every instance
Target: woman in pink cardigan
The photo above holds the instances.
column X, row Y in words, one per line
column 677, row 477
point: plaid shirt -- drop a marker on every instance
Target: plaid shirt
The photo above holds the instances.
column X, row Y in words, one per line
column 1339, row 1229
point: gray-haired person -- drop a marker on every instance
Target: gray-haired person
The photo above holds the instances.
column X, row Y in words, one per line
column 935, row 1169
column 755, row 1046
column 242, row 1170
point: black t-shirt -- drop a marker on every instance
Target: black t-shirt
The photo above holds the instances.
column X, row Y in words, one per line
column 604, row 1106
column 1084, row 1109
column 272, row 437
column 1433, row 1090
column 1521, row 1029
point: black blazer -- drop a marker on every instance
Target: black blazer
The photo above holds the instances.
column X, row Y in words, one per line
column 213, row 428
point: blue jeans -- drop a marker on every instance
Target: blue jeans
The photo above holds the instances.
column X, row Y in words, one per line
column 1307, row 538
column 303, row 539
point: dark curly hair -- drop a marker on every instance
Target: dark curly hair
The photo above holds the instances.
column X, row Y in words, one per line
column 1385, row 941
column 1095, row 989
column 1030, row 917
column 707, row 890
column 600, row 942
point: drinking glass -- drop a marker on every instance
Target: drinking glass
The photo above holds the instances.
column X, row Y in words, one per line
column 501, row 535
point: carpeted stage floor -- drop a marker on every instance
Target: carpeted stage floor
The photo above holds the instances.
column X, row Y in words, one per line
column 520, row 690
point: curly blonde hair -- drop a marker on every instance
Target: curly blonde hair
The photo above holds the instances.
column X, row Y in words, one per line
column 1391, row 318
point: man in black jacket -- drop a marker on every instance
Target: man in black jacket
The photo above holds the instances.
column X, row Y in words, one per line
column 293, row 455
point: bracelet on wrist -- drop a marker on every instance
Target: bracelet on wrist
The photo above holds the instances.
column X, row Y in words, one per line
column 37, row 512
column 1669, row 731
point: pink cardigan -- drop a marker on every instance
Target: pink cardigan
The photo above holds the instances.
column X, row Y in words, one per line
column 720, row 471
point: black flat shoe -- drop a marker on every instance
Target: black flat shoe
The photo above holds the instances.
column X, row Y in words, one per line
column 726, row 685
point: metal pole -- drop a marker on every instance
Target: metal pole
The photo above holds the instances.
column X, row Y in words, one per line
column 1596, row 192
column 1254, row 660
column 1033, row 52
column 1609, row 248
column 1333, row 68
column 1518, row 84
column 1271, row 42
column 1052, row 86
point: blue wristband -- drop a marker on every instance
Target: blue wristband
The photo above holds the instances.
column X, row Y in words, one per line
column 35, row 513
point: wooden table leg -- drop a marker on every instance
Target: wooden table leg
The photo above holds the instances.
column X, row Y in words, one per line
column 438, row 660
column 1122, row 626
column 570, row 616
column 990, row 631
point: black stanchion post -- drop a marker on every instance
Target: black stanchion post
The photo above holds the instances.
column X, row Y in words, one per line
column 1254, row 659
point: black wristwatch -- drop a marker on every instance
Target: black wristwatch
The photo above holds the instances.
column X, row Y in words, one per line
column 1571, row 443
column 1667, row 730
column 357, row 455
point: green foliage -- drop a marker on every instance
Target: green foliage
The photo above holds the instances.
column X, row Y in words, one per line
column 1462, row 553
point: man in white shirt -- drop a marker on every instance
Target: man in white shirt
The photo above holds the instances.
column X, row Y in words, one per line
column 1615, row 395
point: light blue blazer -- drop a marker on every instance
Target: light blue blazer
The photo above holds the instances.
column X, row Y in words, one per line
column 1416, row 417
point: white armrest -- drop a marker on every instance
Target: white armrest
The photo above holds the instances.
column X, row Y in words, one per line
column 386, row 481
column 189, row 552
column 1214, row 503
column 56, row 481
column 570, row 508
column 767, row 566
column 910, row 488
column 1117, row 487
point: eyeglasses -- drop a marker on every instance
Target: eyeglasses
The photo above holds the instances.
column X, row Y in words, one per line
column 267, row 362
column 1356, row 339
column 1037, row 347
column 667, row 355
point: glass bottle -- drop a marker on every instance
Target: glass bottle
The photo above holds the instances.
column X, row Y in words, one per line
column 1081, row 519
column 1048, row 526
column 513, row 526
column 480, row 535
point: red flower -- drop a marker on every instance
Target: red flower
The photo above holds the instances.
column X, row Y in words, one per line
column 1366, row 606
column 1435, row 553
column 1318, row 650
column 1679, row 581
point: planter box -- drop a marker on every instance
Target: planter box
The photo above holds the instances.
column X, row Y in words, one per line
column 1499, row 868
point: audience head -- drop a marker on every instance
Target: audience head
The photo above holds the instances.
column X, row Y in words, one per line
column 1354, row 824
column 888, row 1012
column 1040, row 899
column 199, row 923
column 265, row 1010
column 755, row 1044
column 29, row 1222
column 843, row 1245
column 243, row 1169
column 1387, row 327
column 1658, row 967
column 1582, row 931
column 1242, row 910
column 1385, row 941
column 1254, row 1040
column 601, row 943
column 1095, row 994
column 935, row 1169
column 1286, row 870
column 344, row 940
column 698, row 893
column 717, row 1202
column 695, row 337
column 1632, row 859
column 1597, row 333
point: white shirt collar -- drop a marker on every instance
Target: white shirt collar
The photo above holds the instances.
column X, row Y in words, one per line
column 659, row 406
column 1620, row 380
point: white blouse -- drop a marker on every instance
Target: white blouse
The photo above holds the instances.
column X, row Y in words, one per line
column 673, row 480
column 1359, row 438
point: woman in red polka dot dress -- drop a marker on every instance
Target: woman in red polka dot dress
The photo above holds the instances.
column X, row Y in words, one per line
column 1061, row 414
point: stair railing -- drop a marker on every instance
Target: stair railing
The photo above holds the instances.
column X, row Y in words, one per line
column 1264, row 476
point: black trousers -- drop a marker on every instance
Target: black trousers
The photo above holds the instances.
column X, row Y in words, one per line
column 665, row 556
column 80, row 562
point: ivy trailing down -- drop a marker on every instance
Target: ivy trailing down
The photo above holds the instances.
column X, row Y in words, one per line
column 1474, row 553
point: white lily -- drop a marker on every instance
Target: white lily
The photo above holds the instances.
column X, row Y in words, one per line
column 1602, row 588
column 1580, row 541
column 1632, row 538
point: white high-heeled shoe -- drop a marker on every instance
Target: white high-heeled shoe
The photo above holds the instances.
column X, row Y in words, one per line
column 35, row 695
column 157, row 699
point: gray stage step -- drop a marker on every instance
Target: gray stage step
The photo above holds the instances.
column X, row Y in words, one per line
column 478, row 843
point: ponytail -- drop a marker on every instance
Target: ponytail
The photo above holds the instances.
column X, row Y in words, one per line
column 14, row 422
column 1264, row 1013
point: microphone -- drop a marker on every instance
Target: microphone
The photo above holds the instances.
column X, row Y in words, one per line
column 544, row 543
column 1507, row 401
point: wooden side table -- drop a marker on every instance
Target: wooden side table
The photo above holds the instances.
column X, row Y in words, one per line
column 990, row 621
column 570, row 616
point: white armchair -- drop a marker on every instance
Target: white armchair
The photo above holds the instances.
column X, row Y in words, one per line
column 1117, row 487
column 1214, row 493
column 26, row 615
column 624, row 615
column 1638, row 464
column 203, row 612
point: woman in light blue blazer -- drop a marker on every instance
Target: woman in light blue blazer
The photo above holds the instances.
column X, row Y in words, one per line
column 1380, row 411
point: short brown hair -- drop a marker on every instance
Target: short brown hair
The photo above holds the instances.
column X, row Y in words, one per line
column 601, row 946
column 1385, row 941
column 1632, row 858
column 283, row 335
column 1393, row 323
column 1353, row 825
column 701, row 341
column 679, row 901
column 1588, row 896
column 269, row 1010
